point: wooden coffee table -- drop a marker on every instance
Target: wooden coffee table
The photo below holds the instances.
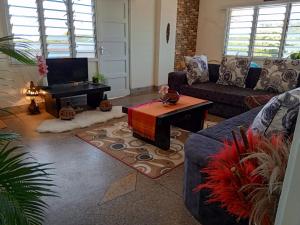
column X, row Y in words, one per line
column 189, row 118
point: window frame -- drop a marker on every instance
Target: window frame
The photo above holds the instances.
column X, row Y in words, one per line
column 254, row 28
column 70, row 26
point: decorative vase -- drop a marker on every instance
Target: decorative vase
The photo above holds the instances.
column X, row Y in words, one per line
column 67, row 112
column 105, row 105
column 172, row 97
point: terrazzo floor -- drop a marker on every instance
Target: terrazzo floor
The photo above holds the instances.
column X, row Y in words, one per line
column 96, row 189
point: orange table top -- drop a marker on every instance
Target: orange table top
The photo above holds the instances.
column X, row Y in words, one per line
column 157, row 108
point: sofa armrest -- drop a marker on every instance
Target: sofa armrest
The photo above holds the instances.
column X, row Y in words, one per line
column 176, row 80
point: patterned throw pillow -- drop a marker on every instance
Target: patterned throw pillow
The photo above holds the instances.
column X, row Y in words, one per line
column 279, row 115
column 279, row 75
column 234, row 70
column 197, row 69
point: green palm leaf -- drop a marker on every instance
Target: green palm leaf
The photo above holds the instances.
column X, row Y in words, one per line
column 23, row 185
column 17, row 50
column 5, row 137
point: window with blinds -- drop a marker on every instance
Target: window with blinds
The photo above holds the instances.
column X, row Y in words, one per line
column 24, row 24
column 57, row 36
column 84, row 23
column 271, row 30
column 55, row 28
column 239, row 31
column 292, row 41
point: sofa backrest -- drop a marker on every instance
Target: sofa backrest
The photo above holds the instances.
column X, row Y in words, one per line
column 251, row 80
column 213, row 70
column 253, row 77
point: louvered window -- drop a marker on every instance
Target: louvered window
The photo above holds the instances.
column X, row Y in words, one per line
column 84, row 23
column 55, row 28
column 271, row 30
column 292, row 43
column 24, row 23
column 239, row 31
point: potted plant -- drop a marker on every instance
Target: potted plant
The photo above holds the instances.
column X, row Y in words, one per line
column 295, row 55
column 99, row 78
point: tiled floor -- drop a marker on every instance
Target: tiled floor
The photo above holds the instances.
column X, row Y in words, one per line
column 88, row 181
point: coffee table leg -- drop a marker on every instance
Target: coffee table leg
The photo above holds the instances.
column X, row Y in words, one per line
column 163, row 135
column 196, row 122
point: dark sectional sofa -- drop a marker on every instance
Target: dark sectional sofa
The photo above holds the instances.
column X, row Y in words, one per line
column 228, row 101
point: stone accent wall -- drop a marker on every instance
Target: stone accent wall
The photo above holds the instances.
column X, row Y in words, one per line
column 186, row 32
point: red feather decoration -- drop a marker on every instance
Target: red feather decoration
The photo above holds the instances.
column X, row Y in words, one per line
column 226, row 175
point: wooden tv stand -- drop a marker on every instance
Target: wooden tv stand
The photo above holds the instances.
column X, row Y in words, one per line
column 54, row 95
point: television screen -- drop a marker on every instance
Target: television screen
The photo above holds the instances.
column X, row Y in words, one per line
column 67, row 70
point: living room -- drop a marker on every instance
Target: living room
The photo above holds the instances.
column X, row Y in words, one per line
column 149, row 112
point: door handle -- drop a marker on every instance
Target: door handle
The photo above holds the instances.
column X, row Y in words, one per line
column 101, row 50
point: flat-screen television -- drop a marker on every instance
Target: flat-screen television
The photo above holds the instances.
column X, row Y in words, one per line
column 67, row 70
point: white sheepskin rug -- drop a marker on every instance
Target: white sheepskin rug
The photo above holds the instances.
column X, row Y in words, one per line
column 81, row 120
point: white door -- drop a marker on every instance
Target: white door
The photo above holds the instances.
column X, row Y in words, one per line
column 113, row 45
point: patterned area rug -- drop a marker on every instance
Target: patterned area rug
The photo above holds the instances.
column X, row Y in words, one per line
column 115, row 138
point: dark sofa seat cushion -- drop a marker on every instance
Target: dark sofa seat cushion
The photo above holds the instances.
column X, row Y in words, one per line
column 198, row 148
column 222, row 131
column 219, row 93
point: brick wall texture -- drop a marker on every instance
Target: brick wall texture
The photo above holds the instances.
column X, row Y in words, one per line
column 186, row 32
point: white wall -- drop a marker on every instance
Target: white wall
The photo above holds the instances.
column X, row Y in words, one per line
column 151, row 57
column 211, row 28
column 142, row 41
column 166, row 12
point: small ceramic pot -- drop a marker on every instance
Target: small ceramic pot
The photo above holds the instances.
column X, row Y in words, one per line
column 172, row 96
column 33, row 108
column 105, row 106
column 67, row 112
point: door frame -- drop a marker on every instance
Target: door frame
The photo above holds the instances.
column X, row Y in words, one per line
column 98, row 33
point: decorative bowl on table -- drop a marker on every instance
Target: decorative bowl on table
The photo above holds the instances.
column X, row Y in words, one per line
column 168, row 96
column 173, row 97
